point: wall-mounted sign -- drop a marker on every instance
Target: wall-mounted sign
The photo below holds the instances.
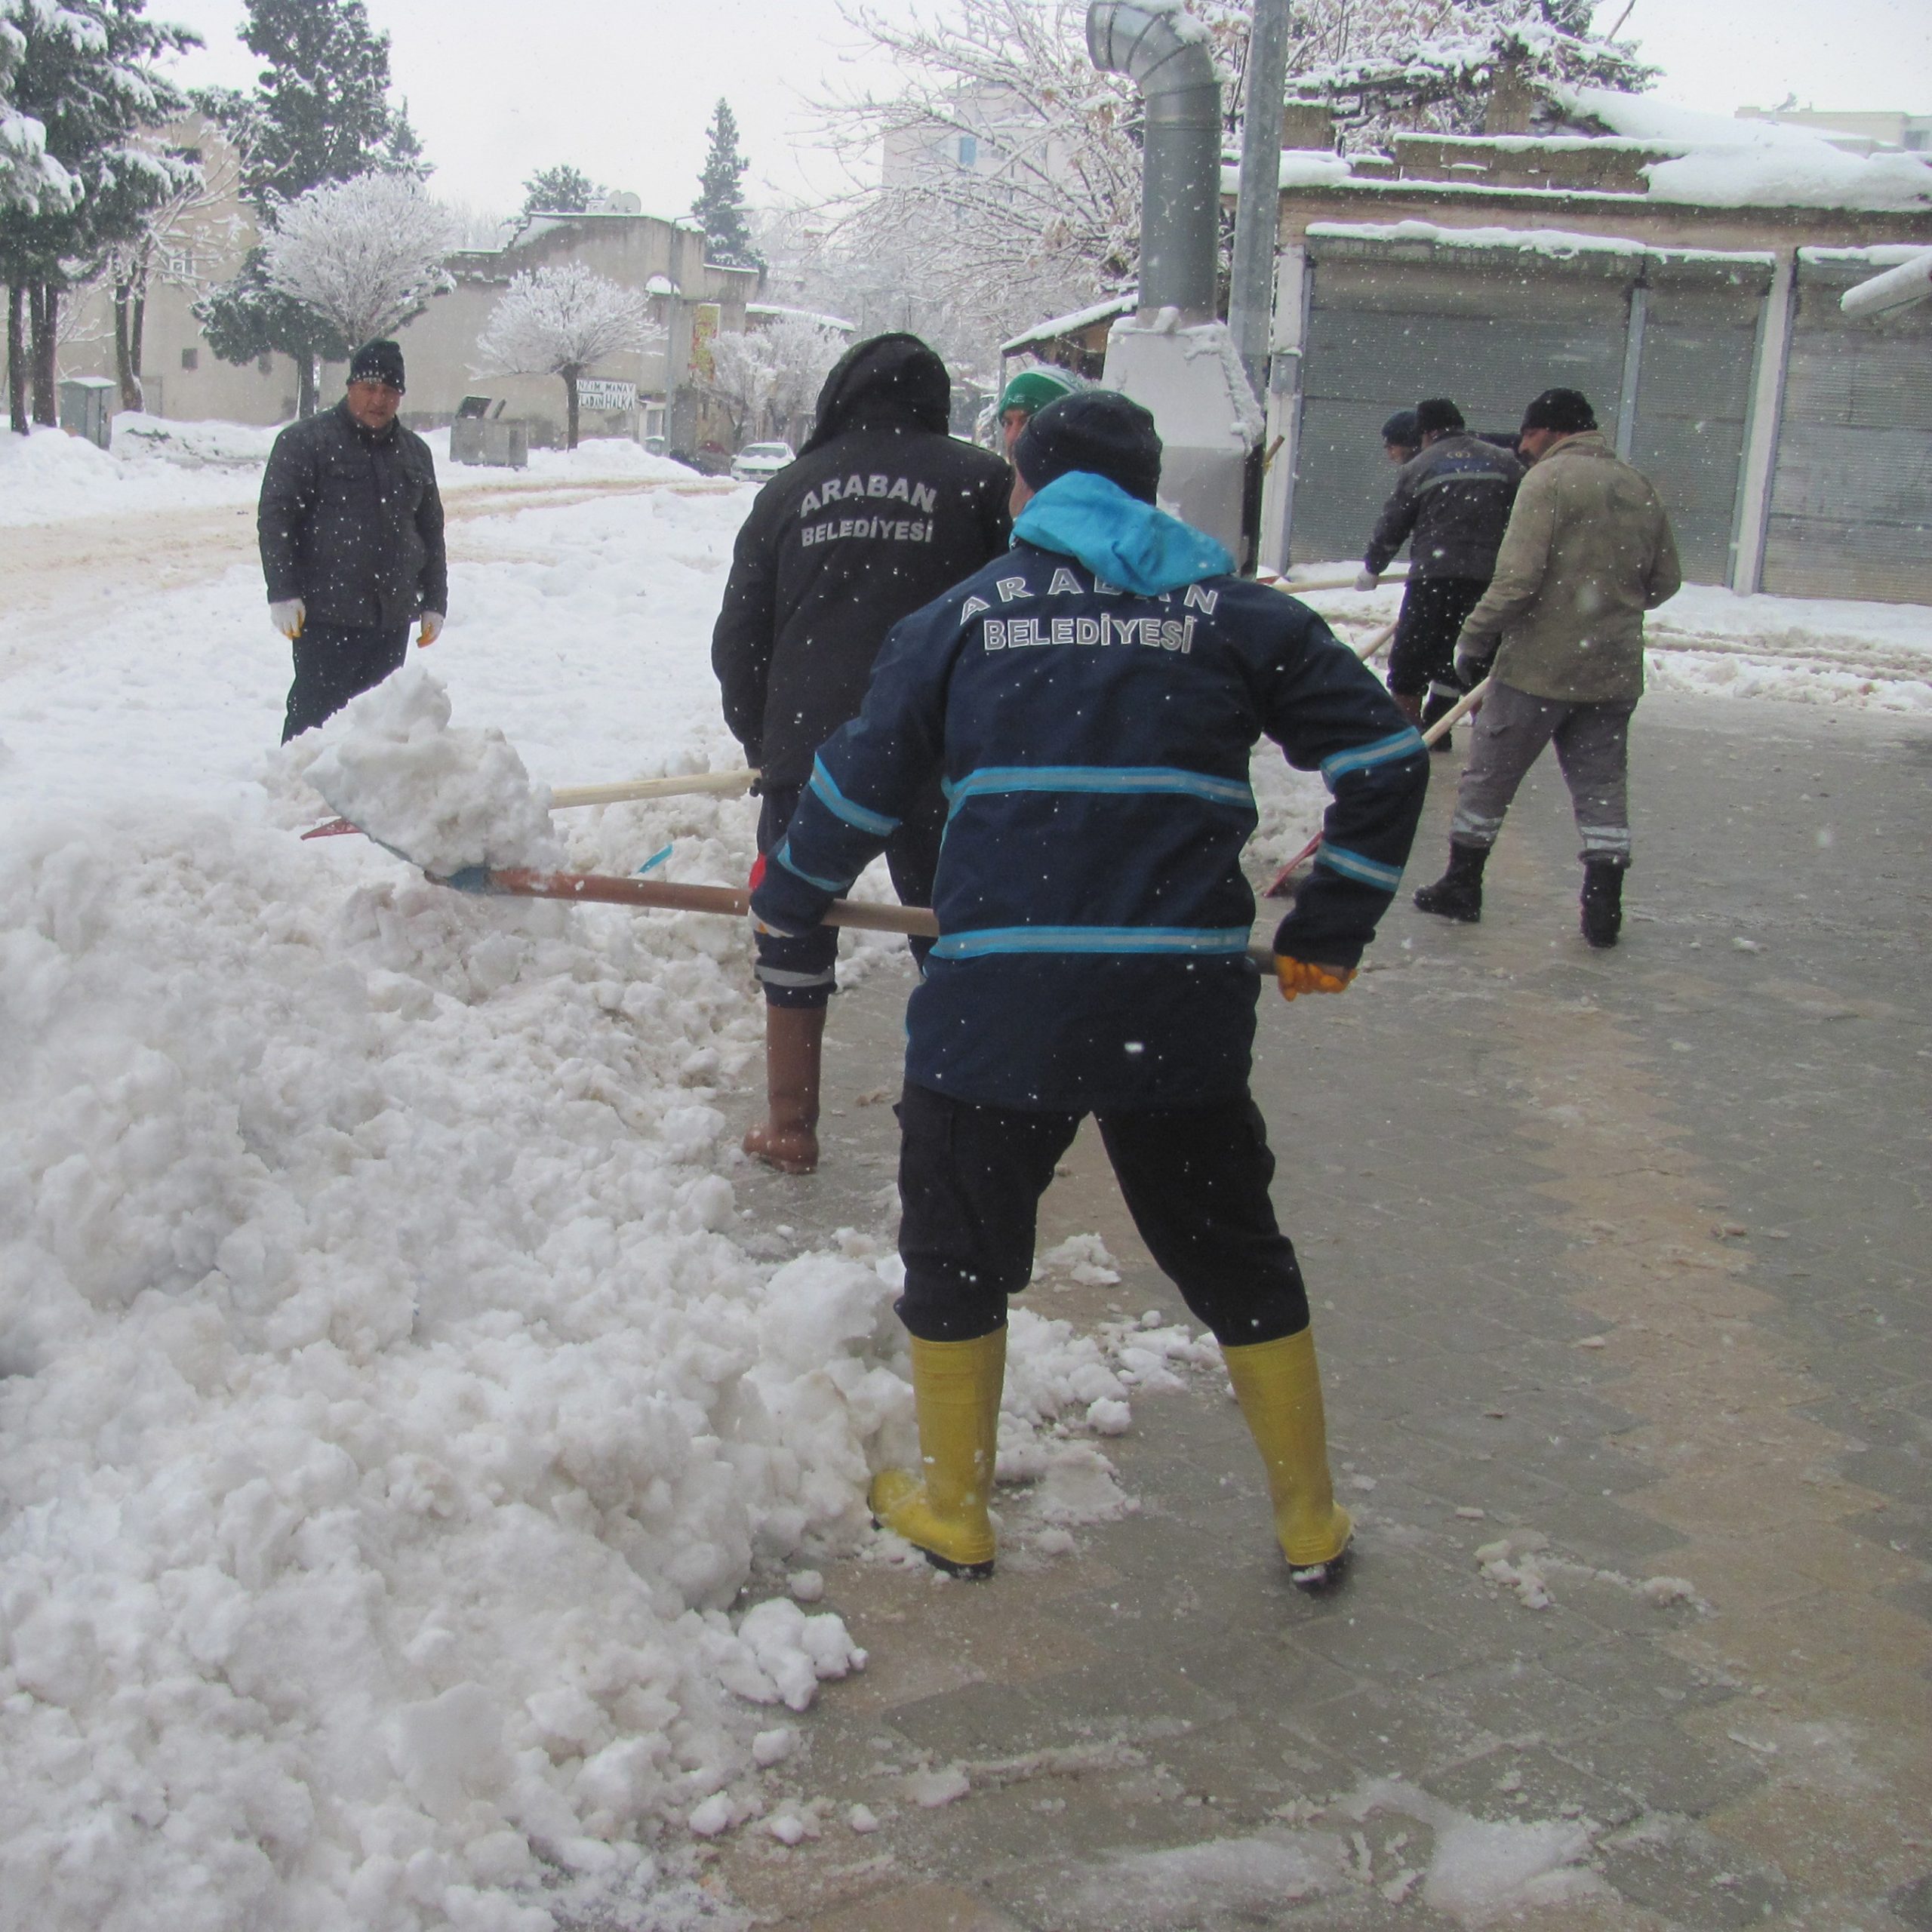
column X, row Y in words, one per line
column 595, row 393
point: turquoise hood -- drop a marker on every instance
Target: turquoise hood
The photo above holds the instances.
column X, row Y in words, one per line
column 1121, row 539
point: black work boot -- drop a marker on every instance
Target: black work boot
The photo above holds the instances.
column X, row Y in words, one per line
column 1439, row 706
column 1457, row 894
column 1603, row 901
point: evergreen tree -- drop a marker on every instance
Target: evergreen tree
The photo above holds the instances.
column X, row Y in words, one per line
column 561, row 190
column 321, row 100
column 721, row 199
column 85, row 73
column 320, row 112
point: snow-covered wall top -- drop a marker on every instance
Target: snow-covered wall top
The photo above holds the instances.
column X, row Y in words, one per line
column 1558, row 243
column 1727, row 164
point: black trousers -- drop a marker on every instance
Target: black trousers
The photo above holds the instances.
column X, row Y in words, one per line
column 803, row 971
column 1424, row 653
column 334, row 663
column 1195, row 1179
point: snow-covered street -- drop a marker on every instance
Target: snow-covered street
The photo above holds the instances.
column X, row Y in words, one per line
column 415, row 1480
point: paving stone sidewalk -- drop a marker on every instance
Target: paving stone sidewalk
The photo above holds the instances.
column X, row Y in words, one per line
column 1626, row 1253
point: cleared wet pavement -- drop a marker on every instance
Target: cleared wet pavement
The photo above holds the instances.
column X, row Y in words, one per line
column 1617, row 1262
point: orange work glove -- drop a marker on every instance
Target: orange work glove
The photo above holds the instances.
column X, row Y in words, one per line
column 1304, row 976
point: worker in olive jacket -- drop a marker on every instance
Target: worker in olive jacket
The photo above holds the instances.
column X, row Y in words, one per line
column 1560, row 633
column 351, row 529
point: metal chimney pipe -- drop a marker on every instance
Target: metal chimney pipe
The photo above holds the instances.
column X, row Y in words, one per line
column 1258, row 213
column 1164, row 53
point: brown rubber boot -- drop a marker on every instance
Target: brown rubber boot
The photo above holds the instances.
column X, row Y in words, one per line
column 1409, row 707
column 788, row 1137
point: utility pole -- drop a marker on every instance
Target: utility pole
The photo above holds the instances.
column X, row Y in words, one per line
column 1258, row 214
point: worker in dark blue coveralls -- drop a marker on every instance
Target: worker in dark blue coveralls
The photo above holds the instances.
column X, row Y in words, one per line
column 1091, row 700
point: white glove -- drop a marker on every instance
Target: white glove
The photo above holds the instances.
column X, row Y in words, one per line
column 432, row 628
column 1368, row 580
column 287, row 618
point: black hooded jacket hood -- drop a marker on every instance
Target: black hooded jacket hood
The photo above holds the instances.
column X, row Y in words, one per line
column 891, row 381
column 883, row 511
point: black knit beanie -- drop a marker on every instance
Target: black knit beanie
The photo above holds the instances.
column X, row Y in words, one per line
column 1438, row 416
column 1400, row 430
column 1567, row 411
column 1098, row 430
column 378, row 362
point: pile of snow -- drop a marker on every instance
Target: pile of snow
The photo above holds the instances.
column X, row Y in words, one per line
column 447, row 798
column 49, row 475
column 1753, row 164
column 197, row 445
column 596, row 459
column 388, row 1422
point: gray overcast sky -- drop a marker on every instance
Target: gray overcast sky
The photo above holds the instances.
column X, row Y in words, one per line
column 623, row 88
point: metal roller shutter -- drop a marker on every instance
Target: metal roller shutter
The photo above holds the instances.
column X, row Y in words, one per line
column 1851, row 493
column 1490, row 327
column 1693, row 394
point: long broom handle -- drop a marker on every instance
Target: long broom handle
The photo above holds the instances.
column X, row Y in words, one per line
column 678, row 785
column 730, row 901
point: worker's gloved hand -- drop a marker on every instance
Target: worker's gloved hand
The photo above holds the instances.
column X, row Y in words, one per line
column 432, row 628
column 1473, row 658
column 287, row 618
column 1305, row 975
column 761, row 922
column 1368, row 580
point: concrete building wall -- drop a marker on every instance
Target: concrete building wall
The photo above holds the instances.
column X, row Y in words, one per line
column 1739, row 347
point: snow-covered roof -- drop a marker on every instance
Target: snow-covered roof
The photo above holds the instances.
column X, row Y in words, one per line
column 1560, row 244
column 1081, row 318
column 1727, row 164
column 776, row 309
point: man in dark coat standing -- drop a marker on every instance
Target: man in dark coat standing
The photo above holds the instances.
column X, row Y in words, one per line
column 882, row 511
column 1451, row 504
column 351, row 529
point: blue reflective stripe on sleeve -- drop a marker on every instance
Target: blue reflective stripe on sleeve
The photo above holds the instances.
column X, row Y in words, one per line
column 783, row 856
column 1404, row 743
column 1364, row 871
column 1093, row 939
column 1122, row 780
column 824, row 788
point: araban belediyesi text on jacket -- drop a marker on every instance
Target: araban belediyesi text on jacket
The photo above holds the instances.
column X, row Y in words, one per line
column 811, row 594
column 1094, row 743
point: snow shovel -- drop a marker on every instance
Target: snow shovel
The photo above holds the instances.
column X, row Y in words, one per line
column 730, row 901
column 1460, row 710
column 682, row 784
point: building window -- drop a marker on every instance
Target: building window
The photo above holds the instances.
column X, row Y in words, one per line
column 179, row 265
column 969, row 151
column 191, row 358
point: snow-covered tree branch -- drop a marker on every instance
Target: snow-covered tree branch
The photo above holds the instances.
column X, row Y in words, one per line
column 562, row 322
column 803, row 349
column 1012, row 169
column 365, row 255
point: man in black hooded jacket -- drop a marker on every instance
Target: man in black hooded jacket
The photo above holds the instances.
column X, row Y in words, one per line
column 882, row 511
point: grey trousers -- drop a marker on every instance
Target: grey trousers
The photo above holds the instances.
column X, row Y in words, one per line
column 1592, row 745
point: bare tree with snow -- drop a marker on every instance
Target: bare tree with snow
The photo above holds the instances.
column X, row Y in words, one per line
column 562, row 322
column 1013, row 169
column 802, row 348
column 742, row 375
column 365, row 255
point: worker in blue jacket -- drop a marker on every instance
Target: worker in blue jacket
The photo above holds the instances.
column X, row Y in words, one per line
column 1090, row 701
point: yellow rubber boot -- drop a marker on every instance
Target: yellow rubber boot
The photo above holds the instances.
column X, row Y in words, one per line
column 1279, row 1388
column 956, row 1390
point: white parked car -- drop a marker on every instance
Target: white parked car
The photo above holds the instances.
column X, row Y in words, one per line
column 758, row 463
